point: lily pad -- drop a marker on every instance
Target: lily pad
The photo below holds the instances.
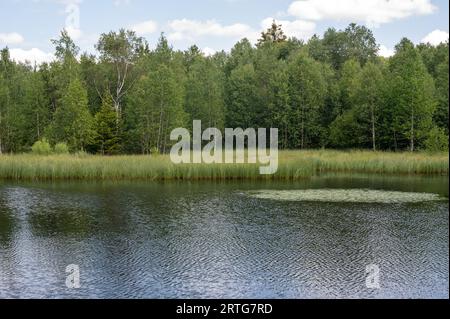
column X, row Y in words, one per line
column 345, row 196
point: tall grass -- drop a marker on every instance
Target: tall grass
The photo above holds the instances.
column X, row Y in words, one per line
column 292, row 165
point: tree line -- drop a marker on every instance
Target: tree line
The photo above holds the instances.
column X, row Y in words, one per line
column 332, row 91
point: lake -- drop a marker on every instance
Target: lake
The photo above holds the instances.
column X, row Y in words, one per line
column 225, row 240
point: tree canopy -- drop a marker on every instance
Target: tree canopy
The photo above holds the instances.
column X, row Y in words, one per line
column 333, row 91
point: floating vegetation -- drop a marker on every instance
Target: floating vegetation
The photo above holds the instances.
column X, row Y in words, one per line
column 345, row 196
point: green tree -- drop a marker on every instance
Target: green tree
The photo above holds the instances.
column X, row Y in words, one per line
column 120, row 51
column 331, row 92
column 204, row 93
column 72, row 120
column 66, row 64
column 355, row 42
column 156, row 104
column 361, row 44
column 107, row 131
column 441, row 81
column 412, row 94
column 274, row 34
column 437, row 141
column 345, row 131
column 241, row 54
column 279, row 106
column 241, row 97
column 13, row 85
column 370, row 99
column 308, row 91
column 35, row 108
column 4, row 108
column 350, row 83
column 94, row 75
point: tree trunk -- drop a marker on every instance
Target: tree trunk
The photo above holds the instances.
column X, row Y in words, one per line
column 165, row 131
column 303, row 131
column 161, row 114
column 412, row 131
column 286, row 130
column 395, row 140
column 374, row 142
column 117, row 107
column 38, row 128
column 160, row 130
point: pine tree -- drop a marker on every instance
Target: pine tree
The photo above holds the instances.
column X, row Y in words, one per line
column 107, row 131
column 274, row 34
column 72, row 121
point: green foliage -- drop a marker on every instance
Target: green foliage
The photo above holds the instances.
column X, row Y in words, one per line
column 370, row 98
column 333, row 91
column 242, row 97
column 342, row 131
column 119, row 53
column 204, row 93
column 107, row 128
column 437, row 141
column 362, row 97
column 307, row 89
column 65, row 47
column 412, row 95
column 61, row 149
column 41, row 147
column 274, row 34
column 441, row 82
column 337, row 47
column 158, row 102
column 72, row 120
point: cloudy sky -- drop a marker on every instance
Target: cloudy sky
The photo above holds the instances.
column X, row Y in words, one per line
column 26, row 26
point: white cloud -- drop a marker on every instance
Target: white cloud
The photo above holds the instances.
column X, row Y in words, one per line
column 33, row 56
column 208, row 51
column 88, row 41
column 146, row 27
column 298, row 28
column 385, row 51
column 186, row 29
column 74, row 33
column 436, row 37
column 10, row 38
column 371, row 12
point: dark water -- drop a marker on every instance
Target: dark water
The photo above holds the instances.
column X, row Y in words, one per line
column 212, row 240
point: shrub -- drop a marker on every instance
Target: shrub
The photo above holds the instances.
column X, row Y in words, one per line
column 437, row 141
column 41, row 147
column 154, row 151
column 61, row 148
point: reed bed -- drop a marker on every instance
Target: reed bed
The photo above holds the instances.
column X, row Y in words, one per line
column 292, row 165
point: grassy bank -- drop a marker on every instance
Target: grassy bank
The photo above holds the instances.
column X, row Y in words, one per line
column 292, row 165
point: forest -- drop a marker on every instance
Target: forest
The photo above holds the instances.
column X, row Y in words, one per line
column 331, row 92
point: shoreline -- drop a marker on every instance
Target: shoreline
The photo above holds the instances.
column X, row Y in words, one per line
column 293, row 165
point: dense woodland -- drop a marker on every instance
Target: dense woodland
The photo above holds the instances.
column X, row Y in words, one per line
column 333, row 91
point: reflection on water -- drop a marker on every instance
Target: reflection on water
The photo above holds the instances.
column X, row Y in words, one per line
column 208, row 240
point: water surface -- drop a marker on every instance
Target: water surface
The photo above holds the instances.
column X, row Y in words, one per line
column 216, row 240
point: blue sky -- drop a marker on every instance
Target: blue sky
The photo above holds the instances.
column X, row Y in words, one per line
column 26, row 26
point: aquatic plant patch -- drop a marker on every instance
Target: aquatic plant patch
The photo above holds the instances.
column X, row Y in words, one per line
column 345, row 196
